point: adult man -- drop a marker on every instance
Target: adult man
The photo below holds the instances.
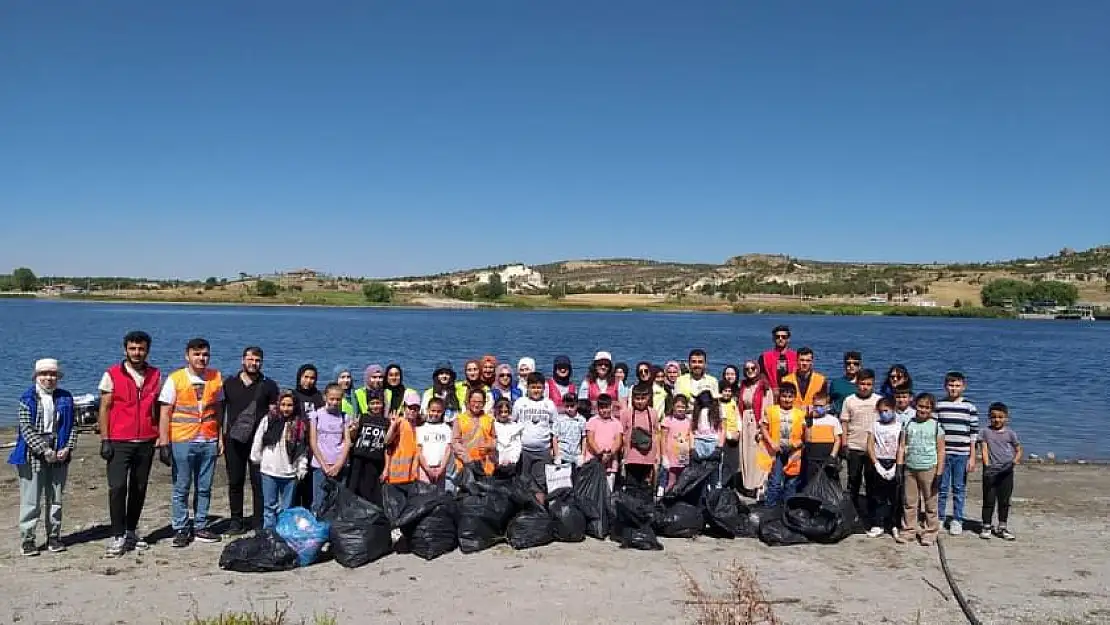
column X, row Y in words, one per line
column 692, row 384
column 248, row 396
column 808, row 382
column 128, row 430
column 780, row 360
column 839, row 388
column 192, row 404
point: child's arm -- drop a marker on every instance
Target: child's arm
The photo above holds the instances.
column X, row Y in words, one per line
column 341, row 461
column 940, row 452
column 447, row 454
column 984, row 453
column 871, row 448
column 591, row 444
column 456, row 440
column 845, row 423
column 901, row 458
column 420, row 461
column 973, row 426
column 256, row 444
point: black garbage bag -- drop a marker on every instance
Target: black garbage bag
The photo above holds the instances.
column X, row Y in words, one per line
column 634, row 513
column 436, row 534
column 823, row 512
column 360, row 530
column 591, row 491
column 483, row 519
column 678, row 520
column 261, row 553
column 774, row 532
column 532, row 527
column 693, row 481
column 726, row 516
column 568, row 524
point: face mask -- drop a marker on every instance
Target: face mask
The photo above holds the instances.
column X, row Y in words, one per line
column 886, row 416
column 819, row 411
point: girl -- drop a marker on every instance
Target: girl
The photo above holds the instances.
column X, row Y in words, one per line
column 600, row 379
column 504, row 387
column 346, row 382
column 753, row 395
column 328, row 439
column 604, row 439
column 508, row 434
column 895, row 377
column 660, row 395
column 394, row 389
column 921, row 451
column 730, row 416
column 42, row 453
column 367, row 436
column 443, row 388
column 570, row 428
column 624, row 391
column 709, row 431
column 559, row 385
column 882, row 485
column 433, row 438
column 307, row 395
column 280, row 450
column 731, row 375
column 677, row 443
column 641, row 439
column 472, row 437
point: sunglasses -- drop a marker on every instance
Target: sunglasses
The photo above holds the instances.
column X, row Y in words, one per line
column 851, row 363
column 750, row 369
column 504, row 375
column 782, row 336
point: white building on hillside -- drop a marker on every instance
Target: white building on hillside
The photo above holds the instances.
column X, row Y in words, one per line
column 520, row 276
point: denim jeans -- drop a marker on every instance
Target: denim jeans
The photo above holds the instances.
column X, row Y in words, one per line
column 318, row 481
column 194, row 463
column 277, row 495
column 780, row 486
column 954, row 479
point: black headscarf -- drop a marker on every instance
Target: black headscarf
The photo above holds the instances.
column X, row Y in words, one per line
column 307, row 396
column 396, row 392
column 445, row 391
column 296, row 441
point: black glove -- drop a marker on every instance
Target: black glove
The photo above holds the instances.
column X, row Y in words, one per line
column 165, row 455
column 106, row 451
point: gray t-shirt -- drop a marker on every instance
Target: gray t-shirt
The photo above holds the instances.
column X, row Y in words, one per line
column 1001, row 445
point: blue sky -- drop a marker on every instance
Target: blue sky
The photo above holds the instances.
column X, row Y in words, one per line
column 388, row 138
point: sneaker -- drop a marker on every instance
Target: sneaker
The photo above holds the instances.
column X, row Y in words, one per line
column 985, row 533
column 133, row 542
column 116, row 547
column 208, row 536
column 901, row 539
column 182, row 538
column 1005, row 534
column 29, row 548
column 956, row 528
column 894, row 533
column 55, row 545
column 875, row 532
column 236, row 528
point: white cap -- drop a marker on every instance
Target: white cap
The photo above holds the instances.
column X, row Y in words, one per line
column 526, row 362
column 47, row 364
column 603, row 356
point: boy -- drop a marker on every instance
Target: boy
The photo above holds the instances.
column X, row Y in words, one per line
column 960, row 421
column 881, row 474
column 539, row 445
column 641, row 440
column 782, row 432
column 822, row 435
column 856, row 416
column 921, row 451
column 570, row 428
column 604, row 438
column 433, row 438
column 903, row 404
column 1001, row 452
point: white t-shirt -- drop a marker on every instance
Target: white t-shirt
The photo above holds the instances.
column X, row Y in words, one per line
column 509, row 443
column 433, row 439
column 538, row 418
column 106, row 379
column 168, row 396
column 886, row 439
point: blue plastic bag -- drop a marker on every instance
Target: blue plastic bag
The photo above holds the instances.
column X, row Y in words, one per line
column 306, row 535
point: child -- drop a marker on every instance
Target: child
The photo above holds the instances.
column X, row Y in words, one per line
column 882, row 485
column 434, row 438
column 822, row 436
column 540, row 447
column 730, row 416
column 678, row 443
column 42, row 453
column 472, row 435
column 641, row 444
column 402, row 455
column 782, row 432
column 960, row 421
column 903, row 404
column 921, row 451
column 368, row 448
column 1001, row 452
column 856, row 416
column 279, row 450
column 328, row 439
column 509, row 434
column 709, row 431
column 570, row 429
column 604, row 439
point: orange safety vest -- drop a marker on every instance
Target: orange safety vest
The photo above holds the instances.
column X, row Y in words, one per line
column 816, row 383
column 194, row 417
column 476, row 434
column 401, row 458
column 766, row 458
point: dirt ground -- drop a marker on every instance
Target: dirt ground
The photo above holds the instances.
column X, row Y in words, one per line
column 1056, row 573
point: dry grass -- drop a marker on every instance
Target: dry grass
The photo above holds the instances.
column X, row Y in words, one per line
column 742, row 604
column 280, row 616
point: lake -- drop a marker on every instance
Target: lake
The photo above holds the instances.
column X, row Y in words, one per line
column 1051, row 373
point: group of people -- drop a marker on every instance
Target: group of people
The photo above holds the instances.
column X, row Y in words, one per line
column 773, row 423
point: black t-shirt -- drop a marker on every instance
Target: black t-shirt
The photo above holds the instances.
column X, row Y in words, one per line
column 238, row 397
column 370, row 438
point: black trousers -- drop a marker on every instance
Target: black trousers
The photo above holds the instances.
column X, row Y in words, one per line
column 857, row 462
column 128, row 474
column 882, row 496
column 237, row 459
column 997, row 488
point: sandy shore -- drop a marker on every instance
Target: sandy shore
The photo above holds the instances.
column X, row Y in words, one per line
column 1056, row 573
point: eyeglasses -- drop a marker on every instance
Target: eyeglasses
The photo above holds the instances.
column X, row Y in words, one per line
column 504, row 375
column 782, row 336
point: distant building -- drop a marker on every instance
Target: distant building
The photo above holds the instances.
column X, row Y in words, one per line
column 303, row 274
column 519, row 276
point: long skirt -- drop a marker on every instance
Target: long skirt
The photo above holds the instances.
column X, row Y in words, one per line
column 752, row 476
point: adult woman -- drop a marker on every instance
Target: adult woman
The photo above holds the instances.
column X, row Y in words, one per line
column 897, row 376
column 560, row 382
column 305, row 392
column 394, row 389
column 472, row 380
column 503, row 386
column 753, row 394
column 488, row 369
column 624, row 389
column 472, row 436
column 600, row 380
column 443, row 387
column 731, row 375
column 346, row 382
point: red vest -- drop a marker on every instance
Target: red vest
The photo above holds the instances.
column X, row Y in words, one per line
column 131, row 416
column 555, row 395
column 594, row 391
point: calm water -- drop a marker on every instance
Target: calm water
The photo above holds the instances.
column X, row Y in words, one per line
column 1042, row 369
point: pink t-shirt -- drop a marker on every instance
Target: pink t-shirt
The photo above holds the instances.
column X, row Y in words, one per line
column 605, row 433
column 677, row 441
column 645, row 420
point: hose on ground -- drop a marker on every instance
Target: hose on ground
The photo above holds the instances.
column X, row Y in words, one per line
column 971, row 618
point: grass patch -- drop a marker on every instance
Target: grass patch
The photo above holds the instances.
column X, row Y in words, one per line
column 280, row 616
column 744, row 603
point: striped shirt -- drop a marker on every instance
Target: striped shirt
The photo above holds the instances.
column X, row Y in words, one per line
column 960, row 421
